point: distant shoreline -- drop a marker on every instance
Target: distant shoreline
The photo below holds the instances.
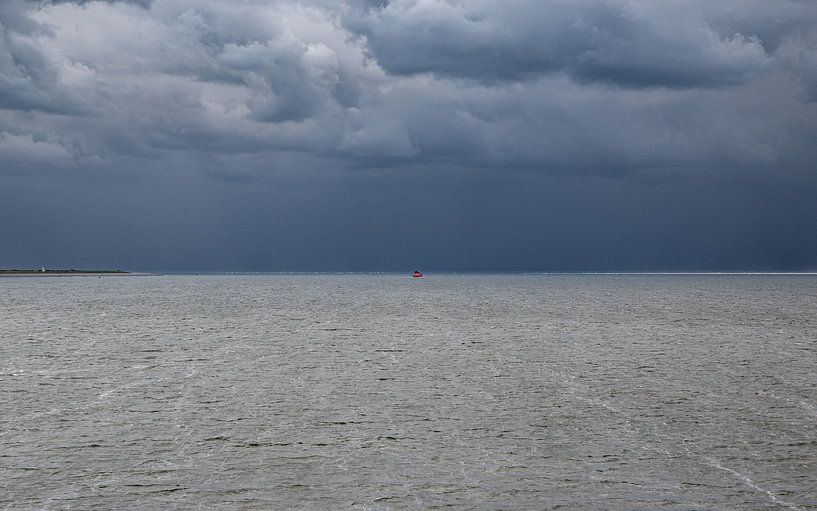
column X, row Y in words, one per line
column 67, row 273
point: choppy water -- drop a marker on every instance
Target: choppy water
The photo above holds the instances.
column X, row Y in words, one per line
column 383, row 392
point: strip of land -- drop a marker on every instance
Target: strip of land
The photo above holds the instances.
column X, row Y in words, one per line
column 66, row 273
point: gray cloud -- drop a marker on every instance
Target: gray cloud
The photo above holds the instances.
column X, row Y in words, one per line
column 808, row 65
column 177, row 75
column 26, row 77
column 632, row 44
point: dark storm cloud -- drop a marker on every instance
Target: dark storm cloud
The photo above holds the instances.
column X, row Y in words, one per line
column 808, row 65
column 254, row 76
column 26, row 78
column 314, row 115
column 625, row 43
column 141, row 3
column 178, row 75
column 169, row 78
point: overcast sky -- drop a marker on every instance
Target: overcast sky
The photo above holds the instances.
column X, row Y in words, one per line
column 266, row 135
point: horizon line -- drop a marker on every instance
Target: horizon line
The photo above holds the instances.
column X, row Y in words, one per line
column 470, row 272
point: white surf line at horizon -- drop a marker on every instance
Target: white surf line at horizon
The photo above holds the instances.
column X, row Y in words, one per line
column 679, row 273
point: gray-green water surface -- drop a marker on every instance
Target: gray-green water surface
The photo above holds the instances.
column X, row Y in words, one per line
column 385, row 392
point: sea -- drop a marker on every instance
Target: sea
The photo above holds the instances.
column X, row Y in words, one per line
column 383, row 392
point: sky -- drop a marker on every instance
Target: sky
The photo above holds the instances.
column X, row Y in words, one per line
column 377, row 135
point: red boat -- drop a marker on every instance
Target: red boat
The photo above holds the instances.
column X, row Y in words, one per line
column 417, row 275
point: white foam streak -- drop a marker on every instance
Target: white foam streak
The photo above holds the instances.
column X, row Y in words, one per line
column 751, row 484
